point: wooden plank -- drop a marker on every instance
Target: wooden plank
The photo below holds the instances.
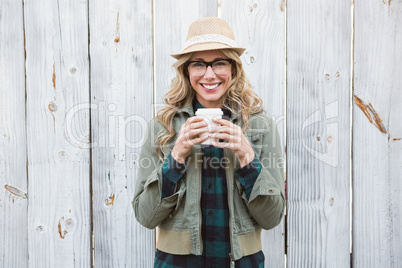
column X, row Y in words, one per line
column 13, row 174
column 172, row 19
column 377, row 132
column 259, row 26
column 318, row 131
column 122, row 96
column 59, row 215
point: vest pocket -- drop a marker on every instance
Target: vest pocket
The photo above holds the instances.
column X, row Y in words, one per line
column 255, row 139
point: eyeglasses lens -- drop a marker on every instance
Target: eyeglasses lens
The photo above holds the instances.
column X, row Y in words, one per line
column 199, row 68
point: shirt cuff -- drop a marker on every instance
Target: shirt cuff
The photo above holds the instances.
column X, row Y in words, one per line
column 248, row 174
column 172, row 172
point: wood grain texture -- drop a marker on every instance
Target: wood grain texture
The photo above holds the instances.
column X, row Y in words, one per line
column 318, row 133
column 377, row 132
column 13, row 158
column 259, row 26
column 46, row 137
column 59, row 227
column 172, row 19
column 122, row 97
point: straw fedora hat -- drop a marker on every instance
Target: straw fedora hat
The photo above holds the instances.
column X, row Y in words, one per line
column 209, row 33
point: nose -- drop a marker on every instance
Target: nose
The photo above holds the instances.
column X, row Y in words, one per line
column 209, row 73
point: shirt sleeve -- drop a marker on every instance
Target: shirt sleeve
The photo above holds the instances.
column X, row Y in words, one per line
column 172, row 172
column 248, row 174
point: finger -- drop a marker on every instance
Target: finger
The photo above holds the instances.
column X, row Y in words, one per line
column 195, row 132
column 192, row 134
column 193, row 119
column 227, row 130
column 221, row 129
column 196, row 140
column 223, row 122
column 196, row 125
column 200, row 139
column 190, row 123
column 221, row 136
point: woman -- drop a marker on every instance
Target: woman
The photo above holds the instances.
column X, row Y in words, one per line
column 210, row 202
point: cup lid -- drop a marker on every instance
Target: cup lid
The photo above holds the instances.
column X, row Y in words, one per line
column 202, row 111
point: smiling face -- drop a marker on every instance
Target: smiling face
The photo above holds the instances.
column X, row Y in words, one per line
column 210, row 87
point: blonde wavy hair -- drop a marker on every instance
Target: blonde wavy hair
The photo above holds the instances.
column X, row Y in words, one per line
column 238, row 98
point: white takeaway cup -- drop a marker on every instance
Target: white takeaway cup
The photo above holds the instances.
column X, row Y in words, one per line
column 209, row 114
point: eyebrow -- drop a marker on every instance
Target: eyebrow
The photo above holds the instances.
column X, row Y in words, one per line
column 201, row 59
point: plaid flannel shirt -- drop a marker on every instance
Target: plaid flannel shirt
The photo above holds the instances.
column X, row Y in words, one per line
column 215, row 211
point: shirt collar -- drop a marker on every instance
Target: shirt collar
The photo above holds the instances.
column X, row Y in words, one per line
column 197, row 105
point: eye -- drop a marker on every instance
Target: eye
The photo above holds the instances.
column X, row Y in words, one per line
column 221, row 63
column 197, row 64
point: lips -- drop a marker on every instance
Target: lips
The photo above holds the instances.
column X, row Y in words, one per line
column 211, row 86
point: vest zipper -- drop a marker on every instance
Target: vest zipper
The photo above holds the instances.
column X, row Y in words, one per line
column 199, row 201
column 232, row 261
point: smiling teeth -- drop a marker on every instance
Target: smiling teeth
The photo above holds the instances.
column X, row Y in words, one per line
column 211, row 86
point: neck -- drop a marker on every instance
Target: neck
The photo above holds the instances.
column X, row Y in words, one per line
column 208, row 104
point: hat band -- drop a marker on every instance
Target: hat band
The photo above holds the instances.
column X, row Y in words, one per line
column 209, row 38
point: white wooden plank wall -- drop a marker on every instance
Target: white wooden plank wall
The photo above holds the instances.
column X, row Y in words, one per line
column 377, row 132
column 13, row 158
column 74, row 107
column 318, row 124
column 259, row 27
column 59, row 215
column 122, row 95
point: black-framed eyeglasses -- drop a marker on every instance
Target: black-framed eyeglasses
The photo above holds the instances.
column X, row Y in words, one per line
column 219, row 66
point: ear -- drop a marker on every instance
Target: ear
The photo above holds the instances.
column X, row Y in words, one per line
column 234, row 72
column 234, row 69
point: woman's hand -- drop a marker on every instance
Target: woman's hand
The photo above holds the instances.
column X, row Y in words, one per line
column 188, row 137
column 235, row 140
